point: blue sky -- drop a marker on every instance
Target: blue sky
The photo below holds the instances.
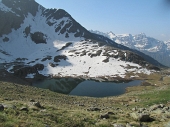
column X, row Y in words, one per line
column 151, row 17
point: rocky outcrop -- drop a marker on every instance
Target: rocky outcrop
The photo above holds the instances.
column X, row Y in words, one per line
column 47, row 58
column 24, row 71
column 13, row 13
column 59, row 57
column 6, row 39
column 71, row 26
column 38, row 37
column 27, row 31
column 126, row 56
column 129, row 57
column 66, row 45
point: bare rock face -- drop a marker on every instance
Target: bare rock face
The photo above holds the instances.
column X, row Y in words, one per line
column 14, row 12
column 6, row 39
column 71, row 26
column 38, row 37
column 60, row 57
column 24, row 71
column 27, row 31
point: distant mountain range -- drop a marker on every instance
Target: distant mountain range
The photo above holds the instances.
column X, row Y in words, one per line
column 159, row 50
column 37, row 42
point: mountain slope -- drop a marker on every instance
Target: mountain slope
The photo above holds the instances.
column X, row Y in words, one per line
column 159, row 50
column 43, row 42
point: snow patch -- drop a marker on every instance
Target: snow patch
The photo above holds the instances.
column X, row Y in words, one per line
column 4, row 8
column 30, row 76
column 19, row 8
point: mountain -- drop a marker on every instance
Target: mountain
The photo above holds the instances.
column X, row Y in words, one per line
column 159, row 50
column 37, row 42
column 168, row 44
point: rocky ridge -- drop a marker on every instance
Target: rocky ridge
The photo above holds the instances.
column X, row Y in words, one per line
column 159, row 50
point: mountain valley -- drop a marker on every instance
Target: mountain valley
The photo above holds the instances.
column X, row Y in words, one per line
column 48, row 45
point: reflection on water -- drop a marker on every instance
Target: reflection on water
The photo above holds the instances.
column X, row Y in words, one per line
column 82, row 87
column 102, row 89
column 61, row 85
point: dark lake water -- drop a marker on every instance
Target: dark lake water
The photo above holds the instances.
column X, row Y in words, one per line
column 102, row 89
column 81, row 87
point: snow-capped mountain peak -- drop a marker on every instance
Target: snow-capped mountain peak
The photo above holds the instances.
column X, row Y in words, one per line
column 111, row 34
column 157, row 49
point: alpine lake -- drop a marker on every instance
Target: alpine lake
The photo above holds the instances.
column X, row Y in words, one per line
column 81, row 87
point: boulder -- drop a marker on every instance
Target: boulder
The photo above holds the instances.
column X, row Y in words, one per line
column 158, row 111
column 32, row 100
column 24, row 109
column 104, row 116
column 37, row 104
column 141, row 117
column 134, row 109
column 165, row 108
column 119, row 125
column 141, row 110
column 154, row 107
column 1, row 107
column 111, row 113
column 93, row 109
column 128, row 125
column 162, row 105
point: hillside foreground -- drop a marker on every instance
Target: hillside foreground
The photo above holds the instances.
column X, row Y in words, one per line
column 144, row 105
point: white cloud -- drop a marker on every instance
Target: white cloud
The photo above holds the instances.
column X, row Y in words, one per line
column 164, row 37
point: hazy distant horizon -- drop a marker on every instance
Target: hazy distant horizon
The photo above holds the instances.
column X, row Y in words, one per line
column 151, row 17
